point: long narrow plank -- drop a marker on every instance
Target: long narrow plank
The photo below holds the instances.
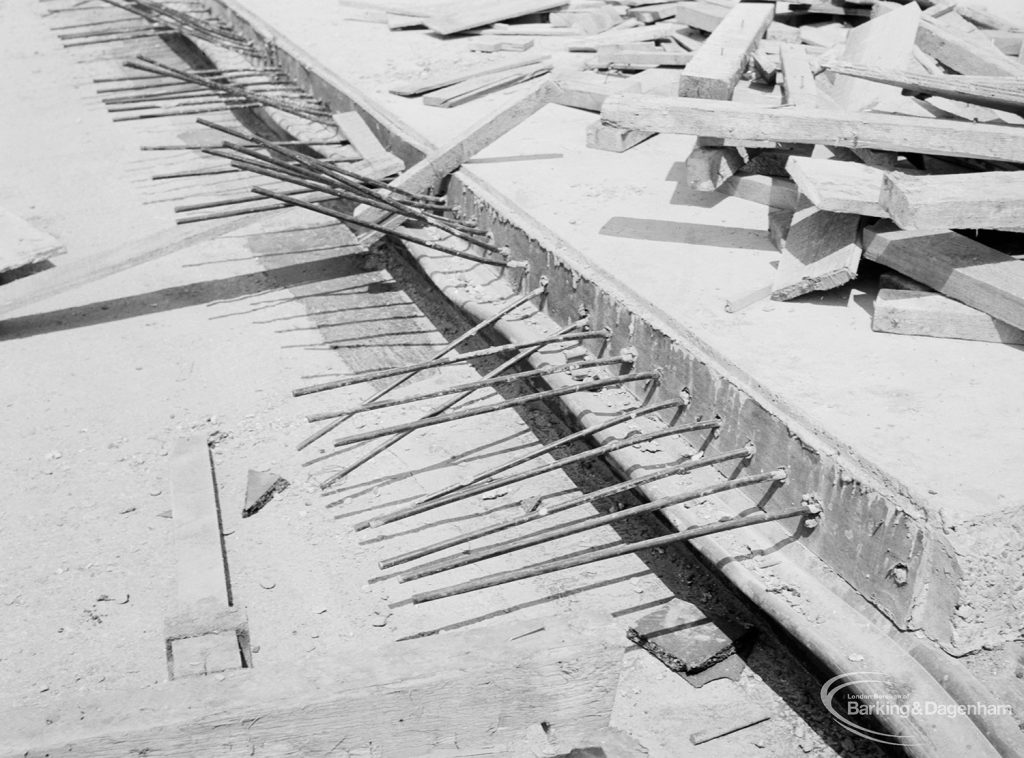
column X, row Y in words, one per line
column 839, row 186
column 886, row 41
column 929, row 314
column 398, row 700
column 814, row 126
column 954, row 265
column 22, row 244
column 478, row 87
column 965, row 53
column 379, row 162
column 798, row 85
column 986, row 200
column 482, row 14
column 717, row 66
column 989, row 91
column 418, row 87
column 587, row 90
column 819, row 251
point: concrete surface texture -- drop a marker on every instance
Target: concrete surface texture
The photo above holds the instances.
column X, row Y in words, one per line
column 941, row 433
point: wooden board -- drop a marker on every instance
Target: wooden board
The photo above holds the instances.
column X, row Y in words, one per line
column 820, row 251
column 419, row 86
column 986, row 200
column 700, row 15
column 814, row 126
column 22, row 244
column 798, row 85
column 929, row 314
column 965, row 53
column 481, row 14
column 765, row 190
column 707, row 166
column 377, row 162
column 471, row 89
column 886, row 41
column 717, row 66
column 470, row 693
column 614, row 57
column 839, row 186
column 954, row 265
column 587, row 90
column 614, row 140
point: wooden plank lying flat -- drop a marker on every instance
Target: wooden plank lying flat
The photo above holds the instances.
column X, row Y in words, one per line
column 413, row 88
column 989, row 91
column 886, row 41
column 929, row 314
column 717, row 66
column 614, row 140
column 954, row 265
column 698, row 14
column 471, row 89
column 770, row 191
column 986, row 200
column 482, row 14
column 839, row 186
column 587, row 90
column 379, row 163
column 814, row 126
column 400, row 700
column 22, row 244
column 819, row 251
column 614, row 57
column 965, row 53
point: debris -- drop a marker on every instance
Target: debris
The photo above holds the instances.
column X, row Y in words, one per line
column 260, row 490
column 734, row 725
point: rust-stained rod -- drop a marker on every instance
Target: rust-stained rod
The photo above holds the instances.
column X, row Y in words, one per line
column 182, row 220
column 121, row 38
column 601, row 554
column 355, row 220
column 193, row 92
column 106, row 32
column 552, row 533
column 479, row 384
column 547, row 510
column 608, row 447
column 446, row 405
column 643, row 410
column 369, row 376
column 198, row 172
column 411, row 426
column 310, row 143
column 351, row 175
column 468, row 334
column 231, row 201
column 207, row 71
column 185, row 112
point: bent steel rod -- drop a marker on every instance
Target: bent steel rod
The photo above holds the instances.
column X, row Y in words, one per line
column 547, row 510
column 608, row 447
column 586, row 524
column 602, row 554
column 496, row 381
column 411, row 426
column 521, row 355
column 466, row 335
column 385, row 373
column 350, row 219
column 621, row 418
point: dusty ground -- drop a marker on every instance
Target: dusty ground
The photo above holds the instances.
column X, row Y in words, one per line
column 97, row 383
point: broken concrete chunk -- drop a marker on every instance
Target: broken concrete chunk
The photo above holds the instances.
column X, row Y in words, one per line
column 679, row 635
column 260, row 489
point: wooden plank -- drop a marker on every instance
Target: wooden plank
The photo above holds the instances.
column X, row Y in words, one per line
column 603, row 137
column 468, row 693
column 22, row 244
column 499, row 45
column 954, row 265
column 965, row 53
column 379, row 163
column 814, row 126
column 798, row 85
column 471, row 89
column 700, row 15
column 928, row 314
column 418, row 87
column 984, row 200
column 770, row 191
column 588, row 90
column 615, row 57
column 481, row 14
column 820, row 251
column 717, row 66
column 989, row 91
column 708, row 166
column 886, row 41
column 839, row 186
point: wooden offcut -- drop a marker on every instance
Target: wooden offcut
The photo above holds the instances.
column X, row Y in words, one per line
column 929, row 314
column 986, row 200
column 965, row 53
column 954, row 265
column 717, row 66
column 431, row 83
column 613, row 139
column 22, row 244
column 814, row 126
column 839, row 186
column 700, row 14
column 476, row 87
column 819, row 251
column 588, row 90
column 377, row 162
column 462, row 17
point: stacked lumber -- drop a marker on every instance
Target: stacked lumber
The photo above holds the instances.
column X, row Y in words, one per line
column 877, row 130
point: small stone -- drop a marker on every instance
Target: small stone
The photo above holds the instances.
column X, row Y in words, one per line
column 856, row 657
